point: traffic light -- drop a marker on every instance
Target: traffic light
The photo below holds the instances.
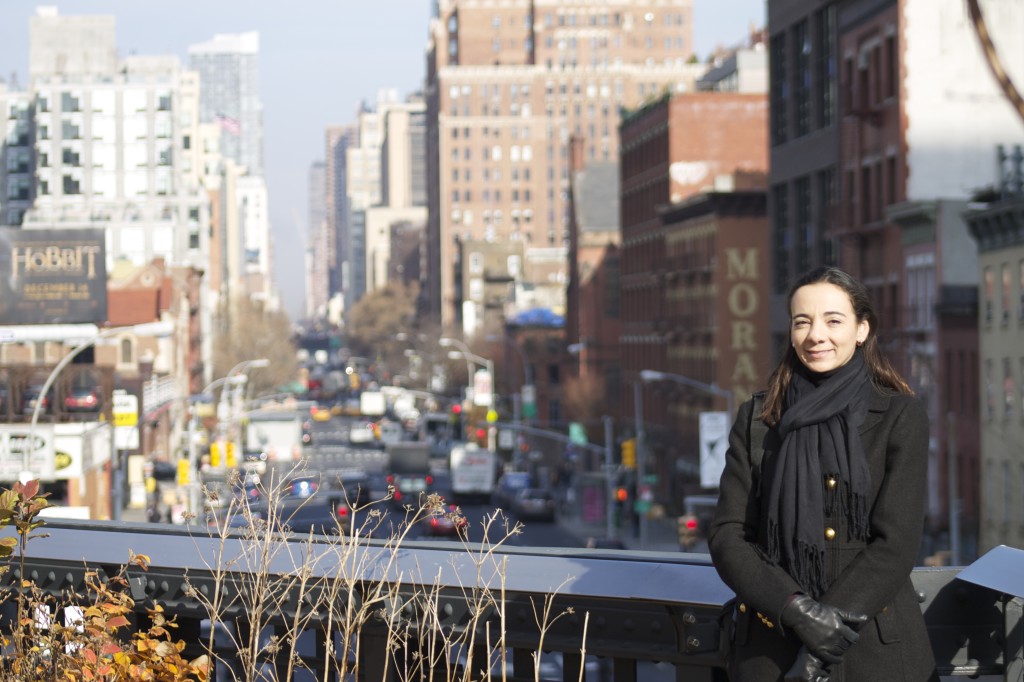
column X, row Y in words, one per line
column 629, row 453
column 231, row 460
column 688, row 527
column 455, row 422
column 481, row 437
column 215, row 454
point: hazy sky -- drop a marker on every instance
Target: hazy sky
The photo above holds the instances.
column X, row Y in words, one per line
column 318, row 60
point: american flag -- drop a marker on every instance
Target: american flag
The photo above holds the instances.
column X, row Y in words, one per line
column 229, row 124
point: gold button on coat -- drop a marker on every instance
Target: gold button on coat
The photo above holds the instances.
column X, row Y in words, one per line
column 743, row 608
column 832, row 482
column 830, row 533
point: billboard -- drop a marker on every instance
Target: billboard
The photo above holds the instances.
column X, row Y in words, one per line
column 52, row 276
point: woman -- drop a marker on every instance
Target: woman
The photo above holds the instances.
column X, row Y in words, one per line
column 820, row 518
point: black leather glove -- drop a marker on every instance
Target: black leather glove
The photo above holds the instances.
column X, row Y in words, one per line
column 823, row 628
column 807, row 668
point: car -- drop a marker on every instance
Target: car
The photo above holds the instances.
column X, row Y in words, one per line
column 83, row 399
column 407, row 488
column 361, row 434
column 510, row 483
column 320, row 414
column 534, row 503
column 445, row 522
column 301, row 487
column 29, row 397
column 255, row 460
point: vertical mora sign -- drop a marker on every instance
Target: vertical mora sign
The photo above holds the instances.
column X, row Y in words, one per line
column 52, row 276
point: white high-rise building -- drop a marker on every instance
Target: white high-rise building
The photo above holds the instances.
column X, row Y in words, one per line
column 229, row 68
column 113, row 143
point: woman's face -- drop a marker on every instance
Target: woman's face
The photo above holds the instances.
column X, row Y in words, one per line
column 823, row 327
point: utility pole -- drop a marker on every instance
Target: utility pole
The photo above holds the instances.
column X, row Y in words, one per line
column 609, row 471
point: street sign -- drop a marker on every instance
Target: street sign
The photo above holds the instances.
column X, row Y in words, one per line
column 529, row 400
column 482, row 387
column 14, row 441
column 714, row 441
column 126, row 409
column 126, row 420
column 577, row 434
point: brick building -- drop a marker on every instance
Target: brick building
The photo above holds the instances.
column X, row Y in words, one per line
column 508, row 83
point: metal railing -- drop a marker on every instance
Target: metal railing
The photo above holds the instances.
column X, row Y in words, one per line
column 627, row 611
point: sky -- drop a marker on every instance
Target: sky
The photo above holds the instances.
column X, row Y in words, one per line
column 319, row 59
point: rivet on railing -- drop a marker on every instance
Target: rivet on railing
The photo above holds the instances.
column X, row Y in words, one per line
column 448, row 610
column 921, row 596
column 692, row 643
column 689, row 618
column 51, row 577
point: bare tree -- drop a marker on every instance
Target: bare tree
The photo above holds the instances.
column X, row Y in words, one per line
column 253, row 333
column 373, row 323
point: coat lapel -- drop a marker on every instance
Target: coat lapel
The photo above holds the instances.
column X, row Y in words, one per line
column 879, row 404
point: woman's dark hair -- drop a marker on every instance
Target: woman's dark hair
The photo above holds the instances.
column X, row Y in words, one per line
column 880, row 371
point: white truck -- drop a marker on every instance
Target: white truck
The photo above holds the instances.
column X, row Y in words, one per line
column 372, row 404
column 473, row 471
column 279, row 434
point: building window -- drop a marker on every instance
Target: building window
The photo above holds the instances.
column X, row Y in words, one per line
column 805, row 230
column 990, row 391
column 780, row 228
column 1009, row 390
column 825, row 67
column 990, row 287
column 127, row 354
column 802, row 79
column 892, row 67
column 1006, row 296
column 779, row 88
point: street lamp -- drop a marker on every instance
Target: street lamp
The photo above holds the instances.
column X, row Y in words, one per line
column 464, row 350
column 648, row 375
column 641, row 451
column 154, row 328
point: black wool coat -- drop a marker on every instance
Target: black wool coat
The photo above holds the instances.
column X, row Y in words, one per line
column 870, row 577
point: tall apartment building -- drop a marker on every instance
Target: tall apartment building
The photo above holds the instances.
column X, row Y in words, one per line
column 228, row 68
column 403, row 184
column 16, row 155
column 317, row 265
column 112, row 143
column 338, row 140
column 884, row 119
column 362, row 190
column 228, row 65
column 508, row 83
column 998, row 228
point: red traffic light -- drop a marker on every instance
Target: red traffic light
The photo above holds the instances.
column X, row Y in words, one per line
column 481, row 435
column 456, row 409
column 621, row 494
column 691, row 523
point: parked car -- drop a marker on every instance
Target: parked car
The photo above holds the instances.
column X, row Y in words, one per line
column 82, row 399
column 534, row 503
column 29, row 397
column 510, row 483
column 445, row 523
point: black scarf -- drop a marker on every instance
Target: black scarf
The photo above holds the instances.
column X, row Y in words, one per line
column 819, row 440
